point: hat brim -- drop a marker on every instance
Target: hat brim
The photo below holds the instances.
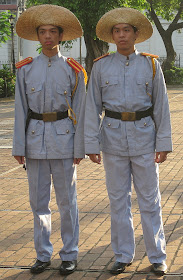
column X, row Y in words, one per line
column 123, row 15
column 47, row 14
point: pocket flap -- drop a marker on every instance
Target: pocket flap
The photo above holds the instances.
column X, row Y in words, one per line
column 109, row 81
column 110, row 122
column 32, row 88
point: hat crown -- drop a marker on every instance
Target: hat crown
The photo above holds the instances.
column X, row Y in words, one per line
column 46, row 14
column 123, row 15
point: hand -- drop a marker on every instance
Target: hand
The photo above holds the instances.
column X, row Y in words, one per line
column 95, row 158
column 77, row 160
column 161, row 157
column 20, row 159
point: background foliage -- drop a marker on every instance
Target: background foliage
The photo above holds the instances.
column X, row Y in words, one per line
column 7, row 82
column 5, row 31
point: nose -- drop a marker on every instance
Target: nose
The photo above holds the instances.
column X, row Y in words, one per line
column 121, row 33
column 47, row 34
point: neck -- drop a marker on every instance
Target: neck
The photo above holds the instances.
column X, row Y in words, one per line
column 51, row 52
column 126, row 52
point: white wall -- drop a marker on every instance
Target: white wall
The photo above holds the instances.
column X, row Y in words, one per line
column 3, row 54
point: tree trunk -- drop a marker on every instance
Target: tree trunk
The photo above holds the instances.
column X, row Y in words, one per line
column 171, row 54
column 95, row 48
column 167, row 34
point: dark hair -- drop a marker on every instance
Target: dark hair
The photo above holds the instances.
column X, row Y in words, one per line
column 60, row 30
column 134, row 28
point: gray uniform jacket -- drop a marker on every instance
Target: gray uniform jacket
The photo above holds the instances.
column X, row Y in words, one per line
column 122, row 84
column 43, row 86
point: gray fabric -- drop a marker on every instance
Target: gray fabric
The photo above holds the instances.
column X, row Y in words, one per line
column 123, row 88
column 42, row 88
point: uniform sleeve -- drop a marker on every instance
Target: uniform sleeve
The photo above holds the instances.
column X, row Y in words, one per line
column 21, row 108
column 161, row 112
column 92, row 112
column 78, row 106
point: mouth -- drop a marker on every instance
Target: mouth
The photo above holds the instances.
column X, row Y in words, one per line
column 48, row 43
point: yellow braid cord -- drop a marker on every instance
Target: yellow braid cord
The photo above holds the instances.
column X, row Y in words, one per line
column 76, row 84
column 153, row 66
column 85, row 76
column 72, row 115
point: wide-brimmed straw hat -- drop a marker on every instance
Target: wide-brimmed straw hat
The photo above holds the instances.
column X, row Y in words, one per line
column 48, row 14
column 123, row 15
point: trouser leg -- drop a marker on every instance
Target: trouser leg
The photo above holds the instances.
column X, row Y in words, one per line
column 118, row 181
column 39, row 192
column 64, row 179
column 146, row 183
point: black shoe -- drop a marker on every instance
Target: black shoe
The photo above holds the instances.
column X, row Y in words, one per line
column 67, row 267
column 39, row 266
column 159, row 268
column 119, row 267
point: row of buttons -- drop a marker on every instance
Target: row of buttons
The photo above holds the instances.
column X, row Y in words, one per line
column 145, row 124
column 67, row 131
column 65, row 92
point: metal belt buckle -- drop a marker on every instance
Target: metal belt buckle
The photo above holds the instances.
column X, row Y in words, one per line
column 128, row 116
column 50, row 117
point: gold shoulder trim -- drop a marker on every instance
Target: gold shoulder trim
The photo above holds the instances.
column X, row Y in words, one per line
column 100, row 57
column 24, row 62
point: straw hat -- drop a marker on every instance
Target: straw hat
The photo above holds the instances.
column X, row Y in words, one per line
column 123, row 15
column 48, row 14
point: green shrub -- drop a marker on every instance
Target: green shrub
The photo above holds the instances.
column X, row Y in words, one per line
column 7, row 82
column 174, row 76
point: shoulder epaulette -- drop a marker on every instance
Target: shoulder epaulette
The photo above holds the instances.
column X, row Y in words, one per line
column 24, row 62
column 152, row 56
column 102, row 56
column 77, row 67
column 149, row 54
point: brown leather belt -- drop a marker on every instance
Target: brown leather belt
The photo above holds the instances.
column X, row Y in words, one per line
column 49, row 117
column 129, row 116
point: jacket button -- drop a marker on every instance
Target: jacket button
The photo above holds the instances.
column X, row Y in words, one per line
column 33, row 132
column 33, row 89
column 107, row 82
column 67, row 131
column 49, row 64
column 65, row 92
column 145, row 124
column 109, row 124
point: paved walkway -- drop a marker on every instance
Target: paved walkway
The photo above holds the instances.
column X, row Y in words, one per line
column 95, row 254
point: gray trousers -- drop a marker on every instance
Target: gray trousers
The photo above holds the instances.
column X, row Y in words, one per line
column 145, row 174
column 64, row 180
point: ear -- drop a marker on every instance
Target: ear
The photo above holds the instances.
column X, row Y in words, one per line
column 136, row 34
column 60, row 36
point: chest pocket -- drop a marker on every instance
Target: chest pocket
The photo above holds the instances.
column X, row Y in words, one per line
column 34, row 88
column 145, row 85
column 63, row 89
column 109, row 81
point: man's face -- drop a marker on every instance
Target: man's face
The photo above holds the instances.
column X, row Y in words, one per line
column 49, row 36
column 124, row 37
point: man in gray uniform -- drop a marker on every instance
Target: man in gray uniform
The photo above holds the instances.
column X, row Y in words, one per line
column 134, row 136
column 48, row 130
